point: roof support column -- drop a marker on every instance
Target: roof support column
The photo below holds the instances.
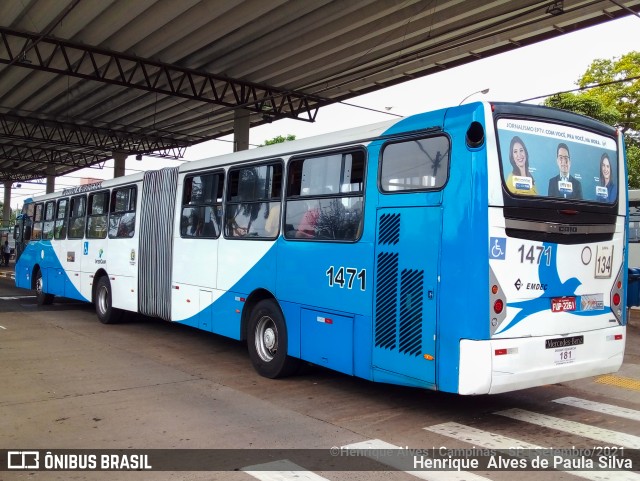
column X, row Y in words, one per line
column 51, row 179
column 241, row 125
column 6, row 209
column 119, row 158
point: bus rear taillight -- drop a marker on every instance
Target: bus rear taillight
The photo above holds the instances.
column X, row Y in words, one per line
column 498, row 306
column 616, row 299
column 497, row 312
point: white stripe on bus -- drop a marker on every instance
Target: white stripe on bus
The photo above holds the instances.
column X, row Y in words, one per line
column 427, row 475
column 485, row 439
column 281, row 470
column 600, row 407
column 611, row 438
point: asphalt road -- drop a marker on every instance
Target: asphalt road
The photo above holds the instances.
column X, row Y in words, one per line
column 69, row 382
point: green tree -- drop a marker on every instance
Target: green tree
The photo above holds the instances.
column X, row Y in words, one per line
column 279, row 140
column 611, row 94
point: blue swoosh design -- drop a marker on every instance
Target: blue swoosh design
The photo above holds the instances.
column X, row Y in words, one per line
column 555, row 288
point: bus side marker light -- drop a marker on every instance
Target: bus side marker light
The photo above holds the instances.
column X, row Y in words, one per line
column 324, row 320
column 429, row 357
column 240, row 299
column 494, row 289
column 237, row 311
column 615, row 337
column 502, row 352
column 498, row 306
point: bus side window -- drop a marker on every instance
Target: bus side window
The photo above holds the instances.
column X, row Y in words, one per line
column 202, row 206
column 28, row 213
column 325, row 197
column 49, row 215
column 254, row 195
column 60, row 229
column 418, row 164
column 38, row 215
column 97, row 213
column 122, row 218
column 77, row 211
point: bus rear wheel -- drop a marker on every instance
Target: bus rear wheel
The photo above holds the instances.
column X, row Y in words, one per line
column 42, row 298
column 267, row 341
column 106, row 313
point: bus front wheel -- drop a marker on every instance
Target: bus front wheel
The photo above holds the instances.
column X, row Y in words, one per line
column 42, row 298
column 106, row 313
column 267, row 341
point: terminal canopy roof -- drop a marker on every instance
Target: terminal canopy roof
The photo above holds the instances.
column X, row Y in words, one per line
column 82, row 79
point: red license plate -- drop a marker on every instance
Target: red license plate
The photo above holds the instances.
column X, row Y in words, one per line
column 563, row 304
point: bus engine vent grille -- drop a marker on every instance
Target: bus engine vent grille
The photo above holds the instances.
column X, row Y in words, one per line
column 411, row 300
column 386, row 300
column 389, row 229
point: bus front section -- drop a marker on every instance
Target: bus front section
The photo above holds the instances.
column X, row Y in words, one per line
column 556, row 252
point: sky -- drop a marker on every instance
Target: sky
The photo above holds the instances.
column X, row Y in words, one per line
column 537, row 70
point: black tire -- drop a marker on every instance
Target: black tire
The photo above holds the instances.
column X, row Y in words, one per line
column 42, row 298
column 106, row 313
column 267, row 341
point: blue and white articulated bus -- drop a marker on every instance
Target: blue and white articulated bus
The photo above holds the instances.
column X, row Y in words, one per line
column 475, row 249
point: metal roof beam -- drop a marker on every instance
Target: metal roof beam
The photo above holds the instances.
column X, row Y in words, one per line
column 77, row 160
column 62, row 57
column 104, row 139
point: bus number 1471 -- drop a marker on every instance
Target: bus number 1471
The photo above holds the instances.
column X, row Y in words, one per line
column 534, row 254
column 346, row 277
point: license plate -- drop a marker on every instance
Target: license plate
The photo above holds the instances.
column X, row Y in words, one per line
column 563, row 342
column 563, row 304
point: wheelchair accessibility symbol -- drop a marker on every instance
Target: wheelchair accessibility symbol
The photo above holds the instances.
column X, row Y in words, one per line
column 497, row 248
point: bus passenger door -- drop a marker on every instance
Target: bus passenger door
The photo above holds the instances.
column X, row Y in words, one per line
column 406, row 292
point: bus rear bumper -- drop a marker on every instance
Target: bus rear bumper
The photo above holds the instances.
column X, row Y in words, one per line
column 501, row 365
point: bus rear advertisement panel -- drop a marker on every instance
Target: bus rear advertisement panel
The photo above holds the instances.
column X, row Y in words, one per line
column 476, row 249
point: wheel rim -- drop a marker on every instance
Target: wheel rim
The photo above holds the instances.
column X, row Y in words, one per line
column 103, row 299
column 266, row 338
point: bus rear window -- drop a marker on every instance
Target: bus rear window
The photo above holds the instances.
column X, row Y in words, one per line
column 551, row 160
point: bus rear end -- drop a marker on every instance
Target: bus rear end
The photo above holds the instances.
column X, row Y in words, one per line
column 556, row 252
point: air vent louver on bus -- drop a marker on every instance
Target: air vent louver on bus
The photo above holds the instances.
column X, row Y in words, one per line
column 389, row 229
column 411, row 295
column 399, row 294
column 386, row 300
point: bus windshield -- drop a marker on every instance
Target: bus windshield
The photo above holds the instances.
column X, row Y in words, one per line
column 552, row 160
